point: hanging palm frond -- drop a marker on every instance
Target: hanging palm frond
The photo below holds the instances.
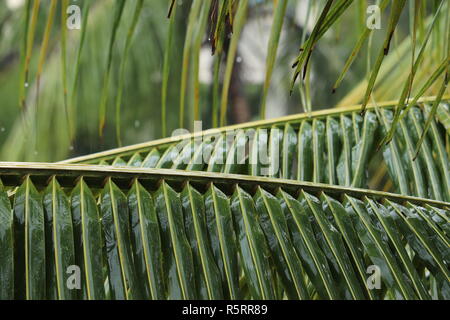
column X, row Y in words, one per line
column 336, row 146
column 155, row 234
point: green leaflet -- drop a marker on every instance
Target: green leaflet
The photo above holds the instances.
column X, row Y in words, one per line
column 151, row 159
column 201, row 156
column 170, row 215
column 220, row 226
column 443, row 115
column 135, row 160
column 336, row 11
column 357, row 122
column 396, row 10
column 220, row 23
column 275, row 227
column 29, row 282
column 416, row 167
column 188, row 205
column 305, row 153
column 236, row 157
column 366, row 33
column 239, row 21
column 415, row 121
column 201, row 24
column 439, row 217
column 313, row 258
column 253, row 247
column 88, row 241
column 392, row 155
column 58, row 213
column 318, row 147
column 123, row 62
column 345, row 226
column 210, row 269
column 207, row 272
column 173, row 289
column 30, row 30
column 430, row 81
column 388, row 225
column 193, row 16
column 116, row 223
column 344, row 167
column 217, row 159
column 213, row 234
column 415, row 63
column 119, row 6
column 432, row 111
column 432, row 224
column 51, row 289
column 275, row 149
column 76, row 201
column 24, row 54
column 275, row 33
column 183, row 159
column 146, row 241
column 119, row 162
column 332, row 129
column 6, row 247
column 419, row 238
column 336, row 245
column 71, row 106
column 166, row 66
column 44, row 47
column 258, row 157
column 442, row 160
column 168, row 157
column 288, row 152
column 323, row 23
column 216, row 88
column 363, row 149
column 379, row 251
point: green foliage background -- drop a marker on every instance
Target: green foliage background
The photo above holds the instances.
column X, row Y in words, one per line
column 41, row 132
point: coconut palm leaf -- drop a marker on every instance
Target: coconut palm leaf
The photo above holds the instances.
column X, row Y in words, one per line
column 216, row 236
column 336, row 146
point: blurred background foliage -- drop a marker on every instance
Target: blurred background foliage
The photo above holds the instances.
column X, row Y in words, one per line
column 41, row 132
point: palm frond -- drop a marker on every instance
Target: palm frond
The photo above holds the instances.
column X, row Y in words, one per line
column 190, row 235
column 335, row 146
